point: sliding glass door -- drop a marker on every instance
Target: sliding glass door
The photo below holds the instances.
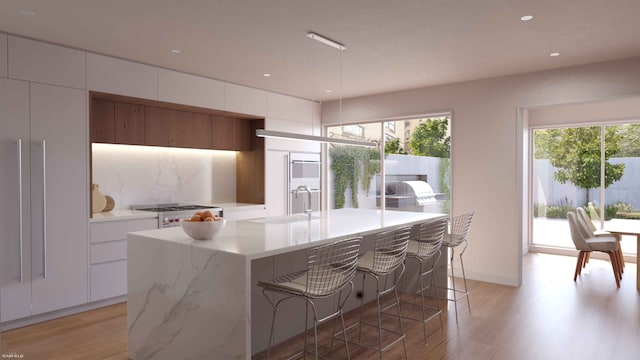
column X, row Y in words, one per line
column 623, row 197
column 568, row 168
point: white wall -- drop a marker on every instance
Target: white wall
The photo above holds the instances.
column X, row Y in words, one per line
column 487, row 142
column 623, row 109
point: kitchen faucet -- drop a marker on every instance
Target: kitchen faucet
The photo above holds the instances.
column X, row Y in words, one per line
column 308, row 210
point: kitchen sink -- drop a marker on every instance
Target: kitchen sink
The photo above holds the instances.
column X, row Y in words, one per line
column 284, row 219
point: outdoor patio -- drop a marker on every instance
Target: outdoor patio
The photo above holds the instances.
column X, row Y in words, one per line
column 555, row 232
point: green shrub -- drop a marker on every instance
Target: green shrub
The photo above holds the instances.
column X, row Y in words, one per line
column 611, row 211
column 554, row 212
column 628, row 215
column 557, row 211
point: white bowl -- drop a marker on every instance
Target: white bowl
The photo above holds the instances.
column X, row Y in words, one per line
column 202, row 230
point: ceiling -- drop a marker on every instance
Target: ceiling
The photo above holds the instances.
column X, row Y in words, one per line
column 391, row 44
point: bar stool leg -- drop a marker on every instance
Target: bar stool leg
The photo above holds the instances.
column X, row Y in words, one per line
column 424, row 323
column 361, row 311
column 379, row 316
column 404, row 344
column 464, row 279
column 453, row 285
column 435, row 287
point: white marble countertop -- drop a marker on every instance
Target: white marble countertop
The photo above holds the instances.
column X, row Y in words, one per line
column 265, row 237
column 119, row 215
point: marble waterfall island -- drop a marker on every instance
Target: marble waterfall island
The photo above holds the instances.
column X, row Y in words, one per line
column 190, row 299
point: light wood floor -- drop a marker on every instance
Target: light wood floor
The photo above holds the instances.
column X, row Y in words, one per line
column 548, row 317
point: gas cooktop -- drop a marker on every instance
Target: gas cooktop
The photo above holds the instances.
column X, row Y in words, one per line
column 171, row 207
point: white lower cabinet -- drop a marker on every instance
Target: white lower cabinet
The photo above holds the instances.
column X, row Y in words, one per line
column 108, row 256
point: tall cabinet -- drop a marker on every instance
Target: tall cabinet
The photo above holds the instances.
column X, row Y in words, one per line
column 43, row 198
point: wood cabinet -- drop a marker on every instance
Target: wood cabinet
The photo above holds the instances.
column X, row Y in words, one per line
column 167, row 127
column 116, row 123
column 124, row 120
column 129, row 124
column 232, row 134
column 43, row 250
column 223, row 133
column 119, row 122
column 102, row 125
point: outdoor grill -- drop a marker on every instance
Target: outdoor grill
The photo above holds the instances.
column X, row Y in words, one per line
column 409, row 194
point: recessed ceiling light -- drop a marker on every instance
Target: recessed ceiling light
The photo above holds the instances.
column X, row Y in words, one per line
column 176, row 51
column 527, row 18
column 554, row 54
column 328, row 91
column 27, row 12
column 266, row 75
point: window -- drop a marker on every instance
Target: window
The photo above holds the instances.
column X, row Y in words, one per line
column 391, row 125
column 355, row 130
column 355, row 180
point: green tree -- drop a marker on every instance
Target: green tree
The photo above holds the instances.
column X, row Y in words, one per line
column 630, row 143
column 430, row 138
column 575, row 152
column 393, row 147
column 543, row 141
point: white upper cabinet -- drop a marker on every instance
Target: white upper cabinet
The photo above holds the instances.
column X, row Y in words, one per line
column 180, row 88
column 115, row 76
column 3, row 55
column 46, row 63
column 289, row 108
column 245, row 100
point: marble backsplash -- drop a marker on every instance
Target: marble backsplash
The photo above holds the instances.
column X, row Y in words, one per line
column 144, row 174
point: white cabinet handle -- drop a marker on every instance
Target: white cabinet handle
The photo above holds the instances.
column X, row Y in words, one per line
column 20, row 202
column 44, row 210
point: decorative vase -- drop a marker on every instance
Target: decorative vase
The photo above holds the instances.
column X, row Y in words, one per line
column 98, row 199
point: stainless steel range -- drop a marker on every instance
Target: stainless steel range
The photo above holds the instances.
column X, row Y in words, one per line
column 171, row 214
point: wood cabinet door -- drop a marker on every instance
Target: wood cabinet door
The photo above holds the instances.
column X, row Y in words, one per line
column 157, row 127
column 242, row 134
column 223, row 133
column 129, row 124
column 102, row 126
column 198, row 132
column 166, row 127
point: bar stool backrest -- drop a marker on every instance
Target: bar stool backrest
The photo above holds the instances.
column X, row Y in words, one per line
column 430, row 236
column 460, row 225
column 331, row 266
column 390, row 250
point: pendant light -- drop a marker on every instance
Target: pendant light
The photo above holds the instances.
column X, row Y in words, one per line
column 322, row 139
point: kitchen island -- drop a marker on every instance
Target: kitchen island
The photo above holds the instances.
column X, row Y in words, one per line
column 191, row 299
